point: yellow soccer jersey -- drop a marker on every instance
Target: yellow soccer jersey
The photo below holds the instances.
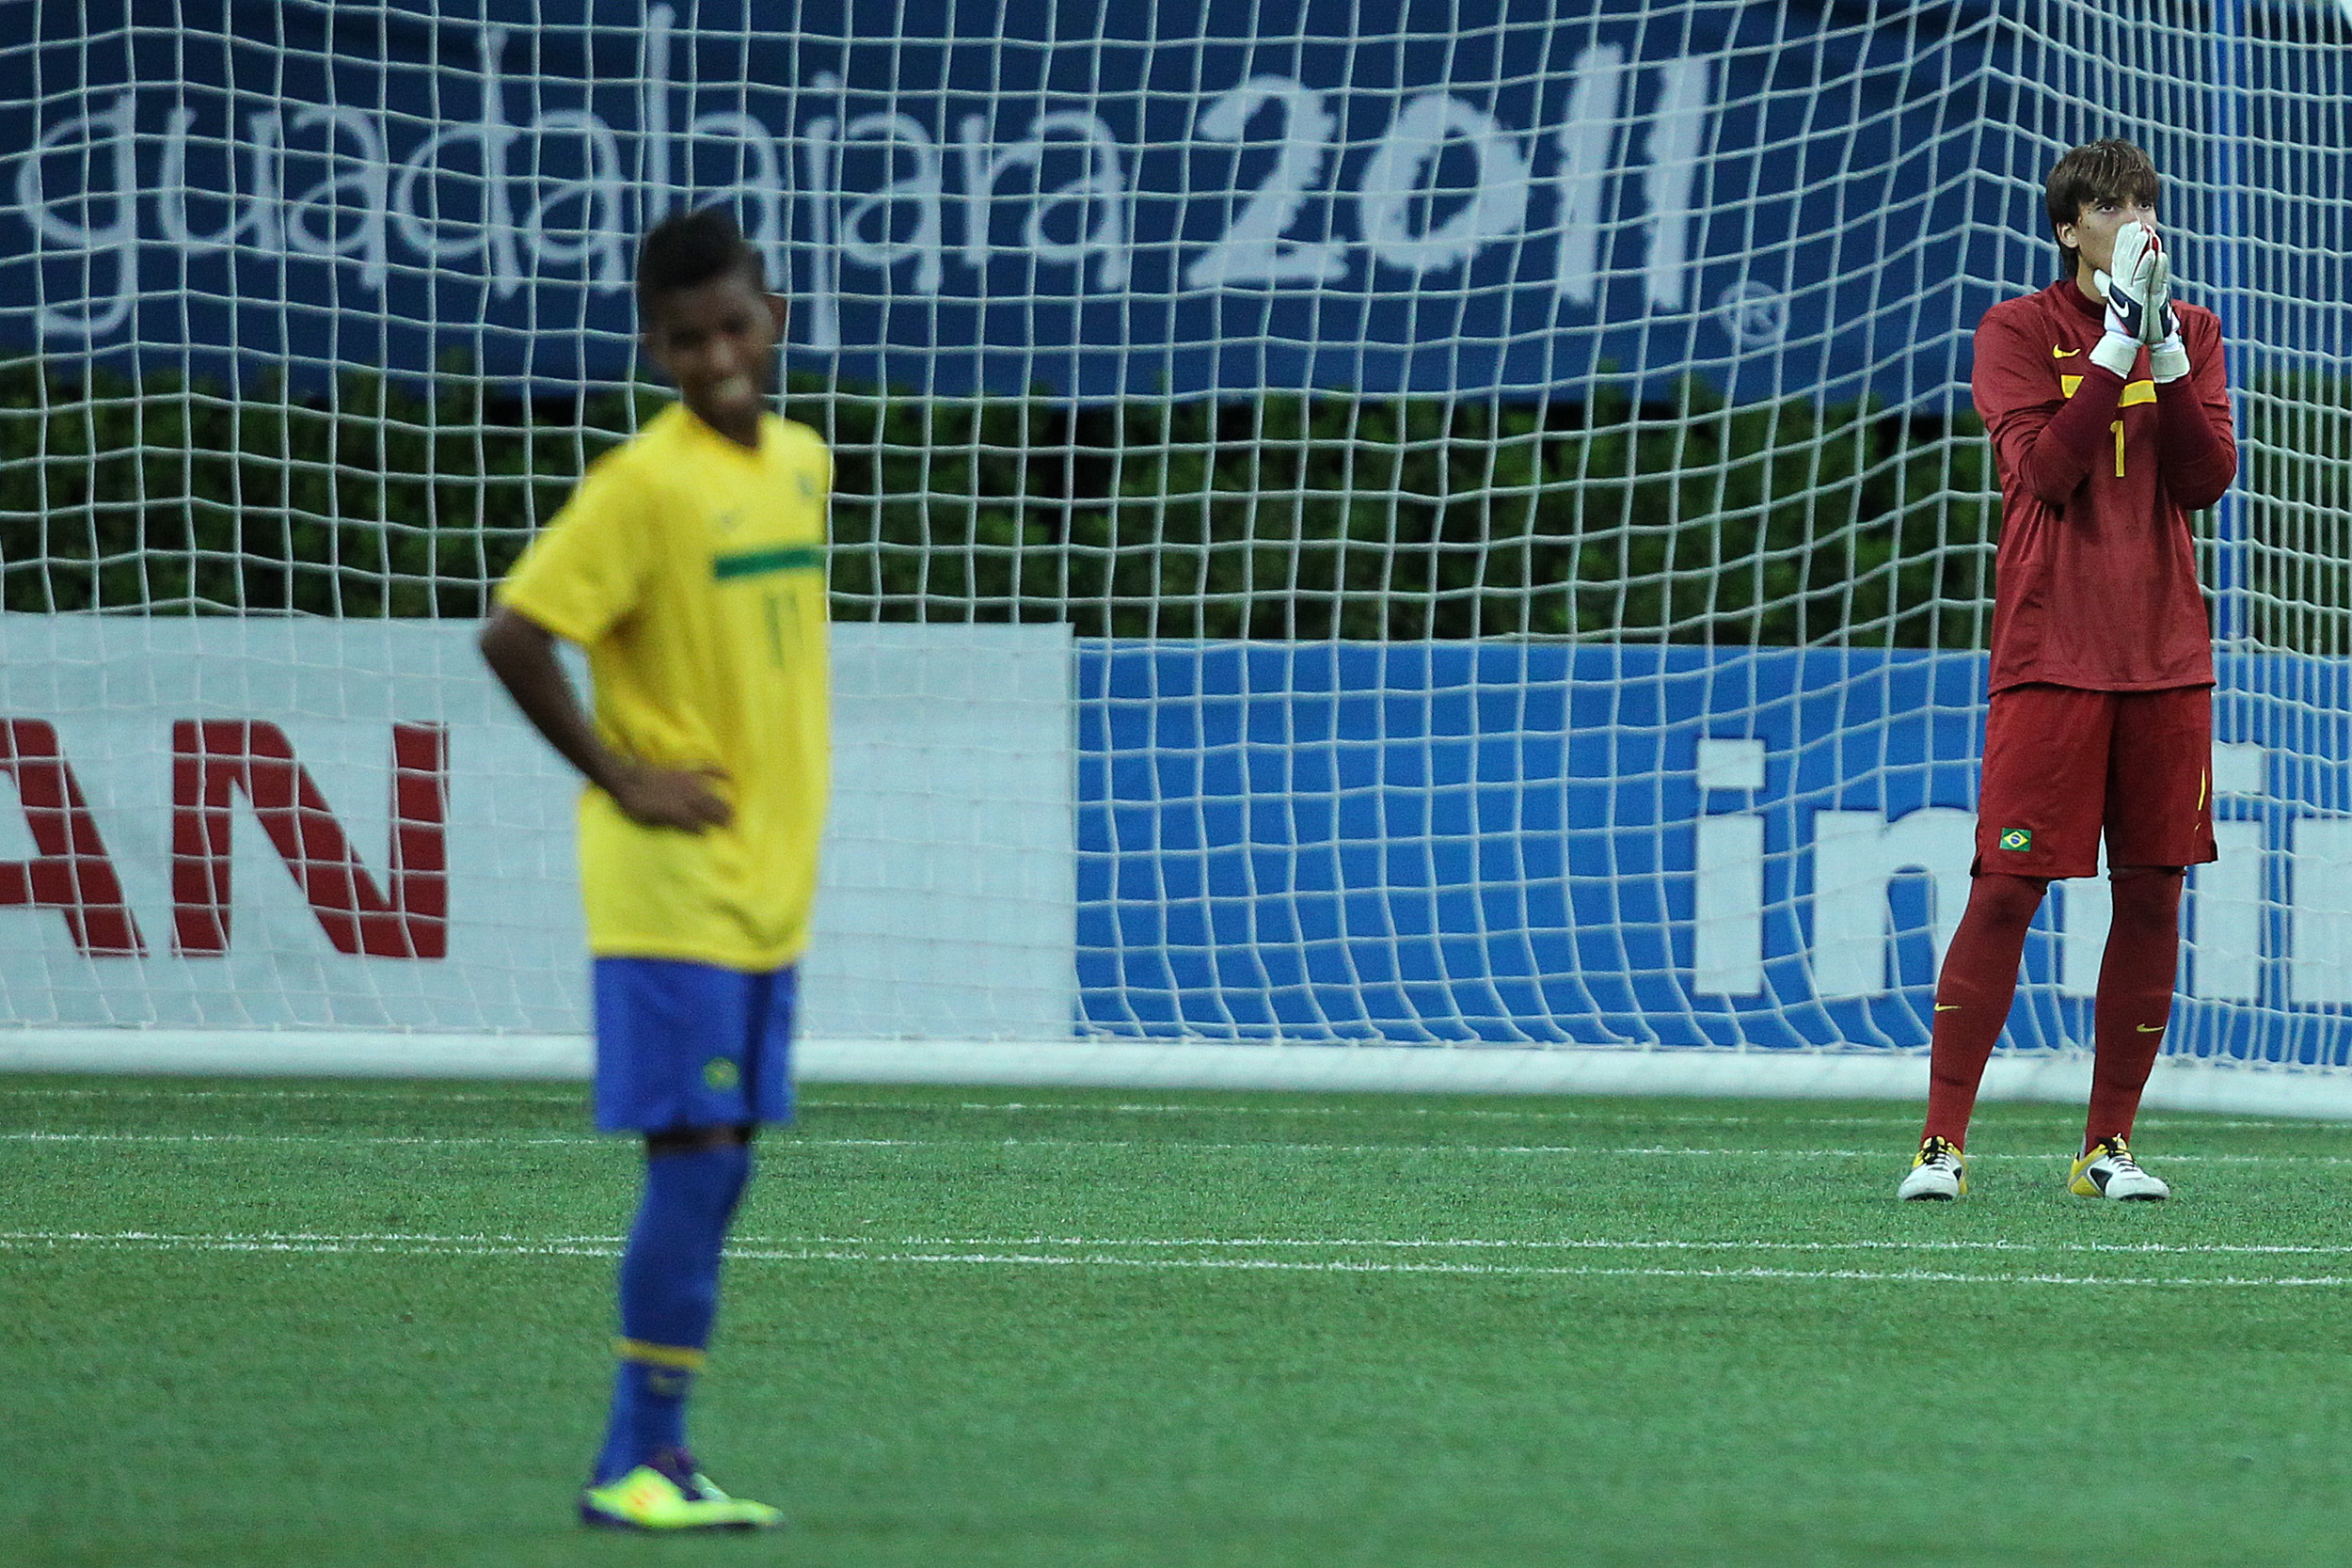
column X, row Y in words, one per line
column 692, row 571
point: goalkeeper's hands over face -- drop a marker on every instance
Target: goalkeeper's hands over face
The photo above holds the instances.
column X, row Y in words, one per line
column 2139, row 288
column 2128, row 279
column 2160, row 325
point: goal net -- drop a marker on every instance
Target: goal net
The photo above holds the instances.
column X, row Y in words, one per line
column 1432, row 525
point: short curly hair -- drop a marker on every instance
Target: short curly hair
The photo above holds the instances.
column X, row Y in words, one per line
column 2106, row 170
column 689, row 248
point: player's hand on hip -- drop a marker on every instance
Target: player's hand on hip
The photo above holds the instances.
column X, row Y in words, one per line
column 681, row 797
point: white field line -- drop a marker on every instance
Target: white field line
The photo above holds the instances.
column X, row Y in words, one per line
column 1463, row 1112
column 759, row 1246
column 751, row 1246
column 520, row 1092
column 1167, row 1145
column 2013, row 1116
column 865, row 1252
column 370, row 1139
column 1559, row 1244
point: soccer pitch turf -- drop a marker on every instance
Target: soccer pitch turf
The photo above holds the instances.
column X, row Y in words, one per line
column 261, row 1323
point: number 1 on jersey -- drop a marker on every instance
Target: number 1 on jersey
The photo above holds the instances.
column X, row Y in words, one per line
column 2118, row 428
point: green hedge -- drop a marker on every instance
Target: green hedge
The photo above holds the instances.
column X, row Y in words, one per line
column 1289, row 516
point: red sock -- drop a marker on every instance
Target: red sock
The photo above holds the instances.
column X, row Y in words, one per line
column 1973, row 995
column 2135, row 995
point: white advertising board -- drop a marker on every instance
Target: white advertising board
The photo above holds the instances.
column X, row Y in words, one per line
column 947, row 908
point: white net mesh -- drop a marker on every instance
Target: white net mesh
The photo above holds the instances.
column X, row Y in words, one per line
column 1570, row 411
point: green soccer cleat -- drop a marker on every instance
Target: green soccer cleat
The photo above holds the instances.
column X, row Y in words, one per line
column 2107, row 1170
column 1938, row 1171
column 666, row 1494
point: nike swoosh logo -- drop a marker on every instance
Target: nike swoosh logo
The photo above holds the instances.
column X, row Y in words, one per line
column 2152, row 1028
column 2064, row 353
column 1948, row 1006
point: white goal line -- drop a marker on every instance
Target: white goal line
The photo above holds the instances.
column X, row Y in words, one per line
column 2177, row 1084
column 1258, row 1149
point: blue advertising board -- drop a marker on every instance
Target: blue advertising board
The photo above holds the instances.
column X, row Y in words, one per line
column 1486, row 843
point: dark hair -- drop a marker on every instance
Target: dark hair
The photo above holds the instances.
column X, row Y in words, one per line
column 686, row 249
column 2104, row 170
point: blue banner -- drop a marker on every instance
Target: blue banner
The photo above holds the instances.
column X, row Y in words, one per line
column 1480, row 197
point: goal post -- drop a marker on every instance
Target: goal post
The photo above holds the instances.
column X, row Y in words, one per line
column 1459, row 533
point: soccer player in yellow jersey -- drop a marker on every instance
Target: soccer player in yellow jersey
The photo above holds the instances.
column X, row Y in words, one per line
column 690, row 566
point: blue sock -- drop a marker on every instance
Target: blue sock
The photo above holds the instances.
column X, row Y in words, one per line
column 669, row 1292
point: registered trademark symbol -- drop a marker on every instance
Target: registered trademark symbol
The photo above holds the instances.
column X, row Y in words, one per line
column 1754, row 316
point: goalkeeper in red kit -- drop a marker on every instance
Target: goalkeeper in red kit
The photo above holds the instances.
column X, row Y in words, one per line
column 2109, row 409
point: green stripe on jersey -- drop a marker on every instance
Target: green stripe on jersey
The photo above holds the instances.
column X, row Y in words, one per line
column 753, row 564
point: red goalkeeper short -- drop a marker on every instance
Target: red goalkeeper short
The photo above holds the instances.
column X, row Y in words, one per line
column 2060, row 764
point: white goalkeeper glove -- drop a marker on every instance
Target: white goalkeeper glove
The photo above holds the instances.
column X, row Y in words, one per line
column 2160, row 325
column 2140, row 307
column 2130, row 278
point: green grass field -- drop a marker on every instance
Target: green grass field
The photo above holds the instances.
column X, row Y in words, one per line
column 261, row 1323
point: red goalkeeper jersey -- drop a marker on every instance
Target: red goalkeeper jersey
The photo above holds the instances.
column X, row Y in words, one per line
column 2096, row 575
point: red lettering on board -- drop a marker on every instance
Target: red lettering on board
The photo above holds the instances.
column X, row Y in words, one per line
column 211, row 759
column 72, row 874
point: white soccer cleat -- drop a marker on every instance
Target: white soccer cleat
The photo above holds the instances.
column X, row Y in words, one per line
column 2108, row 1170
column 1939, row 1171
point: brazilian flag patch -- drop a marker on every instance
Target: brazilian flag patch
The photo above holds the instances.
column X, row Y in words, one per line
column 2019, row 839
column 720, row 1073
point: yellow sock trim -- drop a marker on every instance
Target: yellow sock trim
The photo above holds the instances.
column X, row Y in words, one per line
column 682, row 1357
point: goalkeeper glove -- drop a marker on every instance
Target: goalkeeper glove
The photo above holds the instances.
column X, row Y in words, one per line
column 2129, row 286
column 2140, row 307
column 2160, row 325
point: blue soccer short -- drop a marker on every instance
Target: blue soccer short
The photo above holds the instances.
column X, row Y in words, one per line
column 686, row 1045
